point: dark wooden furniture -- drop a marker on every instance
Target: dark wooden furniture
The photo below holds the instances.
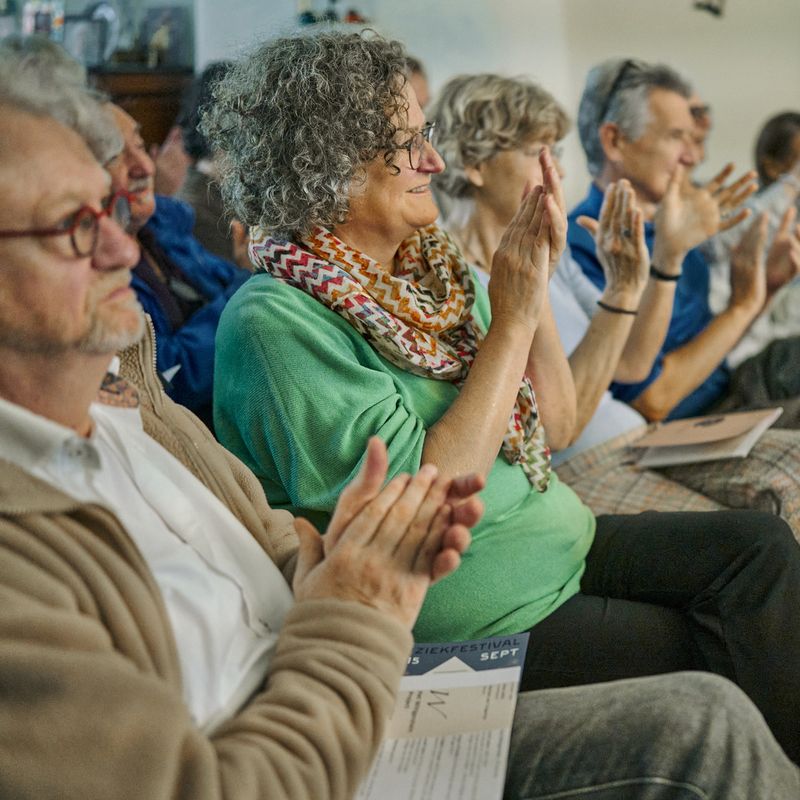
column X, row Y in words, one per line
column 151, row 96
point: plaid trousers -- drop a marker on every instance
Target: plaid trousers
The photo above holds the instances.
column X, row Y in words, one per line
column 607, row 479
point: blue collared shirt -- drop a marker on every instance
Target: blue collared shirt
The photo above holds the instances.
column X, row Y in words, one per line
column 690, row 311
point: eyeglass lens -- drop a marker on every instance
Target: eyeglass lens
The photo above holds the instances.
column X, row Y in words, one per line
column 417, row 145
column 84, row 232
column 87, row 223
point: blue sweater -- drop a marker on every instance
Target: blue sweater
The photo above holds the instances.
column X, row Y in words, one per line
column 192, row 344
column 690, row 311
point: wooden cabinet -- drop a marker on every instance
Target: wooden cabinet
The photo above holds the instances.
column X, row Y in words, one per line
column 151, row 97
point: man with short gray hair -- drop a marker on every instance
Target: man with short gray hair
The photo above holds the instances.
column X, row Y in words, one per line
column 635, row 122
column 629, row 94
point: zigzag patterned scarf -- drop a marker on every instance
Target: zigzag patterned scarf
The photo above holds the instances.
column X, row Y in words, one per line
column 419, row 318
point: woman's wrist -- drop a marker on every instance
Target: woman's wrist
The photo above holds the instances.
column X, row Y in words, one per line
column 513, row 329
column 621, row 297
column 621, row 310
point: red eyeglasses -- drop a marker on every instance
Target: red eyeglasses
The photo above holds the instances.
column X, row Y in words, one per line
column 82, row 227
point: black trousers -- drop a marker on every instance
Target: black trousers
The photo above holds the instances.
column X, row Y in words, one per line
column 716, row 591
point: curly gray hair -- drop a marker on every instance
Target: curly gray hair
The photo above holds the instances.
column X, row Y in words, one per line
column 39, row 77
column 618, row 90
column 477, row 116
column 295, row 123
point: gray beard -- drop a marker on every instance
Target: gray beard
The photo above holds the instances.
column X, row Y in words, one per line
column 102, row 338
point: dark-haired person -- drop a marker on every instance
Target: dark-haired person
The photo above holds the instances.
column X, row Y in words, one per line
column 777, row 160
column 777, row 150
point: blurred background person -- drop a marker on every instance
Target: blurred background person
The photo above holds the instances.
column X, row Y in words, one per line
column 180, row 284
column 777, row 161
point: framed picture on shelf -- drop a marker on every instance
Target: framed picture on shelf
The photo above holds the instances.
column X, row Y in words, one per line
column 167, row 36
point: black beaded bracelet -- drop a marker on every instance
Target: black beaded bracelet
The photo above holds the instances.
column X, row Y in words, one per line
column 616, row 309
column 662, row 276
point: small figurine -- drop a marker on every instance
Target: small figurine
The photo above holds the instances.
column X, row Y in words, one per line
column 159, row 42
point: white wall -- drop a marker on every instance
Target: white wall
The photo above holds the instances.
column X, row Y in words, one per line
column 224, row 27
column 746, row 64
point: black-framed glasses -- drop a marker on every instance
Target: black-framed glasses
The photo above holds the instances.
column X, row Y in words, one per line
column 416, row 144
column 626, row 68
column 82, row 227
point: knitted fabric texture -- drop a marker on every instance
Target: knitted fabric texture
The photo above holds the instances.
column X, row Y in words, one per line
column 419, row 318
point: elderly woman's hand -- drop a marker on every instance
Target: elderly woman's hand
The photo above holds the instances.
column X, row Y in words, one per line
column 521, row 264
column 621, row 246
column 558, row 221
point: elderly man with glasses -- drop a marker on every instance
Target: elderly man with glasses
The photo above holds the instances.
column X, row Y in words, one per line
column 180, row 284
column 636, row 122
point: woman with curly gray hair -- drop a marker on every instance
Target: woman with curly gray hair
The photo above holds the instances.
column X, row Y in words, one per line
column 364, row 319
column 368, row 321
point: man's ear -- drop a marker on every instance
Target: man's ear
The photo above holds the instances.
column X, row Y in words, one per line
column 474, row 175
column 610, row 140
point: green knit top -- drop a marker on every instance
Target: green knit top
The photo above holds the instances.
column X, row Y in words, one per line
column 297, row 394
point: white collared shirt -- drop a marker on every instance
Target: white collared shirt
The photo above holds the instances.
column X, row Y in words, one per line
column 225, row 598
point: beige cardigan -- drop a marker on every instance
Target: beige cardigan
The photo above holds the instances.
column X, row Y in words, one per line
column 90, row 685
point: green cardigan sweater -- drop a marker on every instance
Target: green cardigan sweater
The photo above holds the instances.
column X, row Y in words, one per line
column 297, row 394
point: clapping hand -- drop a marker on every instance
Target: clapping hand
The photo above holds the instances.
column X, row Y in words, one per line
column 556, row 209
column 783, row 261
column 748, row 268
column 528, row 252
column 620, row 244
column 385, row 546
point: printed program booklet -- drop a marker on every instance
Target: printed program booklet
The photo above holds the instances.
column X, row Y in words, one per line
column 449, row 734
column 688, row 441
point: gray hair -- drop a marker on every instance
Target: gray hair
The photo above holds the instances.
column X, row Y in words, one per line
column 40, row 78
column 618, row 91
column 296, row 122
column 477, row 116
